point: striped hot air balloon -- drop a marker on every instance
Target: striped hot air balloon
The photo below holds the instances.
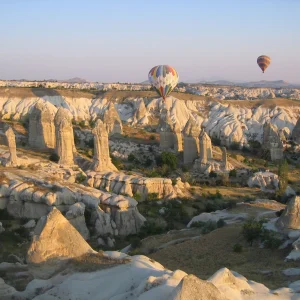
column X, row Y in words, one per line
column 163, row 78
column 263, row 61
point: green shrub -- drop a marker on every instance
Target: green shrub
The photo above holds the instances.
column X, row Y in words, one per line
column 90, row 143
column 270, row 239
column 54, row 157
column 92, row 123
column 215, row 141
column 185, row 169
column 4, row 215
column 80, row 178
column 232, row 173
column 238, row 248
column 131, row 157
column 152, row 197
column 167, row 158
column 150, row 228
column 235, row 146
column 209, row 226
column 137, row 197
column 116, row 161
column 252, row 230
column 213, row 174
column 248, row 199
column 135, row 242
column 22, row 232
column 152, row 137
column 221, row 223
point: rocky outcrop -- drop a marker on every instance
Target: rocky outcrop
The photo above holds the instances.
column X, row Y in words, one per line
column 193, row 288
column 231, row 283
column 296, row 132
column 191, row 141
column 112, row 120
column 36, row 199
column 229, row 123
column 170, row 133
column 166, row 131
column 272, row 141
column 2, row 229
column 225, row 159
column 75, row 215
column 266, row 181
column 130, row 185
column 205, row 147
column 55, row 238
column 11, row 143
column 177, row 136
column 290, row 218
column 64, row 137
column 6, row 291
column 41, row 127
column 140, row 115
column 117, row 219
column 102, row 161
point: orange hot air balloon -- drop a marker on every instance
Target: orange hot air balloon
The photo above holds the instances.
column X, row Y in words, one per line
column 263, row 61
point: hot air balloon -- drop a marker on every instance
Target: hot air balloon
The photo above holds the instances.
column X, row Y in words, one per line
column 163, row 78
column 263, row 61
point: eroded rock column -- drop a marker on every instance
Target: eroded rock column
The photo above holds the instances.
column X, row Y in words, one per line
column 190, row 141
column 102, row 160
column 41, row 127
column 64, row 137
column 11, row 143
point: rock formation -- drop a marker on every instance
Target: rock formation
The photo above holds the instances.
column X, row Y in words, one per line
column 296, row 132
column 170, row 134
column 140, row 115
column 177, row 138
column 75, row 215
column 205, row 147
column 55, row 238
column 6, row 291
column 193, row 288
column 191, row 141
column 41, row 127
column 33, row 200
column 266, row 181
column 130, row 185
column 64, row 137
column 102, row 160
column 112, row 120
column 166, row 131
column 290, row 218
column 224, row 158
column 272, row 141
column 11, row 143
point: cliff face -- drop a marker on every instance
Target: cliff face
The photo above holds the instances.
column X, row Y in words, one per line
column 227, row 120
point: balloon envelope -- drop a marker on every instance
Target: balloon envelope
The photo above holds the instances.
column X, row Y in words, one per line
column 163, row 78
column 263, row 61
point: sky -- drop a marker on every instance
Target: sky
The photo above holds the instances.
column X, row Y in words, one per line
column 121, row 40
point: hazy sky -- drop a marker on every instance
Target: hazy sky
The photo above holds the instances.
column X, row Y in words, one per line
column 120, row 40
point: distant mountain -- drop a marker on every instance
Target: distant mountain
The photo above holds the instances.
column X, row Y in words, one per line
column 258, row 84
column 145, row 82
column 74, row 80
column 272, row 84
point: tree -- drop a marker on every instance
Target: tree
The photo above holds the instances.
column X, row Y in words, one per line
column 213, row 174
column 169, row 159
column 283, row 172
column 252, row 230
column 232, row 173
